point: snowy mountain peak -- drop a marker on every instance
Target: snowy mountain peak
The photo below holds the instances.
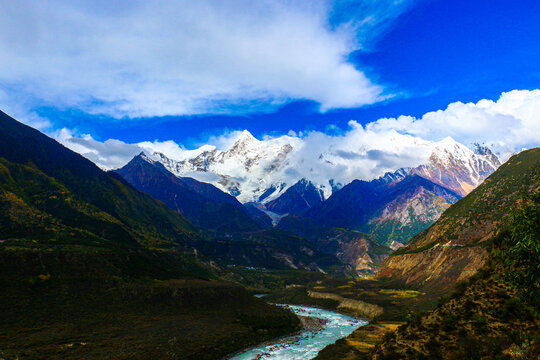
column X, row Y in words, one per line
column 450, row 147
column 457, row 167
column 481, row 149
column 255, row 170
column 148, row 158
column 244, row 138
column 448, row 143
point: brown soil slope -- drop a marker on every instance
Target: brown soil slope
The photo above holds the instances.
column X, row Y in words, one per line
column 454, row 248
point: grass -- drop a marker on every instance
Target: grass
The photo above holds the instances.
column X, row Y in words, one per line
column 113, row 305
column 398, row 302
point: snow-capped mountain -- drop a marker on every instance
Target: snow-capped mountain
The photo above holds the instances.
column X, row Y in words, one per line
column 261, row 171
column 249, row 169
column 297, row 199
column 201, row 203
column 458, row 168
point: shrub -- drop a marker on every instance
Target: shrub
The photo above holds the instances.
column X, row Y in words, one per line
column 459, row 289
column 471, row 347
column 514, row 308
column 502, row 294
column 521, row 247
column 468, row 306
column 449, row 322
column 443, row 300
column 434, row 349
column 416, row 319
column 479, row 322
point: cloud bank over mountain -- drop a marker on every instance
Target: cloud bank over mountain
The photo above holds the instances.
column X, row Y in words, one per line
column 362, row 152
column 139, row 58
column 510, row 124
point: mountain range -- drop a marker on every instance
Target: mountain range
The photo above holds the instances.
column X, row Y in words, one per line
column 241, row 234
column 388, row 210
column 262, row 170
column 391, row 208
column 82, row 248
column 243, row 237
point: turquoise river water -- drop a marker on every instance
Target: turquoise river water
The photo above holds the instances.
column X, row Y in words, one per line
column 306, row 345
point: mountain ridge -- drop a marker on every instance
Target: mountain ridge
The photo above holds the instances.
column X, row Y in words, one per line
column 453, row 247
column 94, row 268
column 259, row 170
column 382, row 208
column 202, row 203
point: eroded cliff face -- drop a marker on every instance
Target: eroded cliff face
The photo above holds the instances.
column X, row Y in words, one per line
column 437, row 268
column 455, row 247
column 409, row 213
column 357, row 307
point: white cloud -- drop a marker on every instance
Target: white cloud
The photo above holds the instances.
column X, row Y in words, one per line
column 20, row 110
column 507, row 125
column 108, row 155
column 225, row 140
column 143, row 58
column 357, row 154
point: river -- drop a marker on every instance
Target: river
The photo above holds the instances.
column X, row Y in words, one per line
column 307, row 344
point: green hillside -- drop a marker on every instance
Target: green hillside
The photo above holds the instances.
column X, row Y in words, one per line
column 95, row 269
column 48, row 192
column 495, row 314
column 455, row 247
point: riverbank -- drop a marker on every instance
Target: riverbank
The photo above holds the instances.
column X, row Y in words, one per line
column 397, row 305
column 320, row 328
column 360, row 343
column 308, row 324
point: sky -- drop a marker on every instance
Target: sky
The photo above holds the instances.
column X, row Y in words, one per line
column 180, row 74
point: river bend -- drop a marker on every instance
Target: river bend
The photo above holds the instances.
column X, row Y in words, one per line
column 307, row 344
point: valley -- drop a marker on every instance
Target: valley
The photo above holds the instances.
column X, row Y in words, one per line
column 142, row 263
column 269, row 180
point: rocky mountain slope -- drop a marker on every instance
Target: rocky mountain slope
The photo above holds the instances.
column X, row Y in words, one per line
column 454, row 248
column 297, row 199
column 388, row 210
column 351, row 247
column 494, row 314
column 201, row 203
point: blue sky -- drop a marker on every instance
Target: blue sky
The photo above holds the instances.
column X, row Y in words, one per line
column 415, row 57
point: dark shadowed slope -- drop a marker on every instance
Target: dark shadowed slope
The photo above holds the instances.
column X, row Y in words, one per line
column 203, row 204
column 49, row 191
column 350, row 246
column 274, row 249
column 297, row 199
column 93, row 268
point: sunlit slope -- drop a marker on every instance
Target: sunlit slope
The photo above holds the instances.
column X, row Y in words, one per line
column 454, row 247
